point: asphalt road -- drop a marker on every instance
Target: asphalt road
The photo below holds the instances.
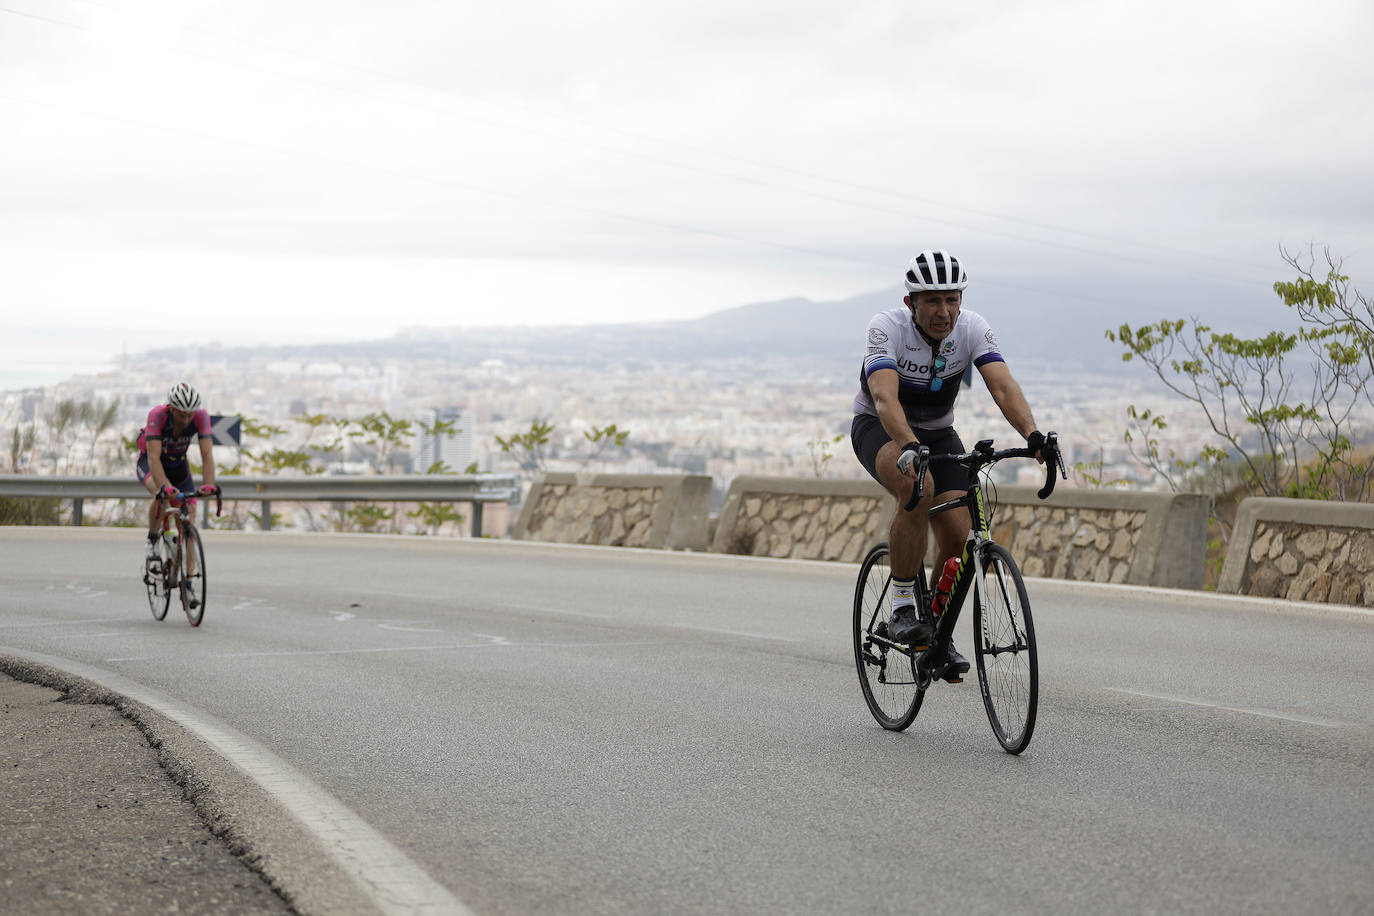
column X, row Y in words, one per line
column 575, row 730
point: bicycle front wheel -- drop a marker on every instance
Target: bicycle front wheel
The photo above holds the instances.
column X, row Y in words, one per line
column 1008, row 671
column 887, row 676
column 192, row 575
column 154, row 579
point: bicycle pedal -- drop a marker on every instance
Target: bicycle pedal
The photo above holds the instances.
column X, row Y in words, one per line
column 953, row 679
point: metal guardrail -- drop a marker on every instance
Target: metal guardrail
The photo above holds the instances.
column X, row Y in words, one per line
column 463, row 488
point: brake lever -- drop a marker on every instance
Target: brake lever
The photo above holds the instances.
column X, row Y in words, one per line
column 922, row 464
column 1053, row 461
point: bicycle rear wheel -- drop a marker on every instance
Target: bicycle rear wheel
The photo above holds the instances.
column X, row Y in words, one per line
column 1008, row 671
column 887, row 676
column 193, row 582
column 154, row 579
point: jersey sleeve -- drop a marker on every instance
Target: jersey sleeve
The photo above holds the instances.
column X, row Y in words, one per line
column 202, row 421
column 983, row 342
column 157, row 418
column 882, row 344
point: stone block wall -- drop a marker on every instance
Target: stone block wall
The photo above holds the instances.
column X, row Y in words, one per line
column 1105, row 535
column 1086, row 545
column 802, row 519
column 1085, row 535
column 617, row 510
column 615, row 516
column 1302, row 550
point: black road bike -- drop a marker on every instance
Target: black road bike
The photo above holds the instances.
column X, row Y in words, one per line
column 179, row 564
column 895, row 678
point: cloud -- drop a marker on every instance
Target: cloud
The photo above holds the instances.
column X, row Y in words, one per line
column 731, row 149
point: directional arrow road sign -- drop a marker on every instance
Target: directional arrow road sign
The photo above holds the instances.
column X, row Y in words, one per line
column 225, row 430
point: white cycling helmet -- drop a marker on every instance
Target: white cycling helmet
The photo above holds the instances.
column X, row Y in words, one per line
column 936, row 269
column 183, row 397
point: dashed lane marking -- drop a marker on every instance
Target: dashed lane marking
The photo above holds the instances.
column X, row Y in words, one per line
column 744, row 633
column 61, row 623
column 1265, row 712
column 372, row 650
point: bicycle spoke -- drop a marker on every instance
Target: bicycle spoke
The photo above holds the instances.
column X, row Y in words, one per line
column 193, row 592
column 1007, row 667
column 154, row 580
column 886, row 675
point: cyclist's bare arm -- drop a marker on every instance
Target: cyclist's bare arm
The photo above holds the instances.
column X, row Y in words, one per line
column 883, row 386
column 207, row 462
column 1008, row 396
column 155, row 465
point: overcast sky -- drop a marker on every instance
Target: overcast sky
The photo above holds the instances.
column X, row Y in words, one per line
column 289, row 171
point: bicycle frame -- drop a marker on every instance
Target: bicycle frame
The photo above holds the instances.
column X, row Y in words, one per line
column 1004, row 649
column 970, row 560
column 974, row 500
column 180, row 514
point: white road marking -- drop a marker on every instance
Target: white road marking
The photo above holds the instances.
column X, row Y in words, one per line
column 60, row 623
column 1267, row 713
column 495, row 640
column 342, row 616
column 391, row 626
column 382, row 872
column 747, row 635
column 384, row 649
column 552, row 609
column 84, row 591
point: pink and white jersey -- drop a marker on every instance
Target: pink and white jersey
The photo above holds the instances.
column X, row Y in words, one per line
column 174, row 445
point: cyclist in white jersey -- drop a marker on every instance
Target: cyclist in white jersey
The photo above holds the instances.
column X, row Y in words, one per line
column 917, row 355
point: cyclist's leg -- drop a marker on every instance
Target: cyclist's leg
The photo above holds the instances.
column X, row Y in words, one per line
column 180, row 477
column 951, row 532
column 951, row 529
column 951, row 482
column 146, row 478
column 878, row 454
column 908, row 533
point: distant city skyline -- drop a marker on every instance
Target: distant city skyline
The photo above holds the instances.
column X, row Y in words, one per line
column 260, row 173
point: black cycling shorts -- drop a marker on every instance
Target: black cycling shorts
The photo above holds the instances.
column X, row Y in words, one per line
column 178, row 474
column 867, row 436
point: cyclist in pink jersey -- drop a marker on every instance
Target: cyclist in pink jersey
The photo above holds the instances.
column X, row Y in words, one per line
column 162, row 446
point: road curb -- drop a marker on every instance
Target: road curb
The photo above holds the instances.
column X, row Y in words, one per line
column 278, row 824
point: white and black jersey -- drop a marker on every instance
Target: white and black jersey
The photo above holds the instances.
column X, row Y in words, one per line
column 894, row 342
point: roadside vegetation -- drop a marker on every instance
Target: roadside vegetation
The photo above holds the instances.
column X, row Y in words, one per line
column 80, row 438
column 1288, row 410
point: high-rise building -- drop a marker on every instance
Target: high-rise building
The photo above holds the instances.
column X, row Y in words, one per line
column 453, row 448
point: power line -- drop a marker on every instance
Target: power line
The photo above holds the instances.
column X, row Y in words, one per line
column 523, row 198
column 775, row 167
column 758, row 182
column 72, row 25
column 753, row 163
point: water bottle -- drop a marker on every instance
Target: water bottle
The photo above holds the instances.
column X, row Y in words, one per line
column 947, row 576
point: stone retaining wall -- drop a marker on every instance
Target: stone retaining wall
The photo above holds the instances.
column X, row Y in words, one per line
column 1105, row 535
column 617, row 510
column 1085, row 535
column 1302, row 550
column 799, row 518
column 1087, row 545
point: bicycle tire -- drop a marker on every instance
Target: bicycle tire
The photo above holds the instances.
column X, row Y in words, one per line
column 1004, row 645
column 154, row 580
column 191, row 546
column 886, row 676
